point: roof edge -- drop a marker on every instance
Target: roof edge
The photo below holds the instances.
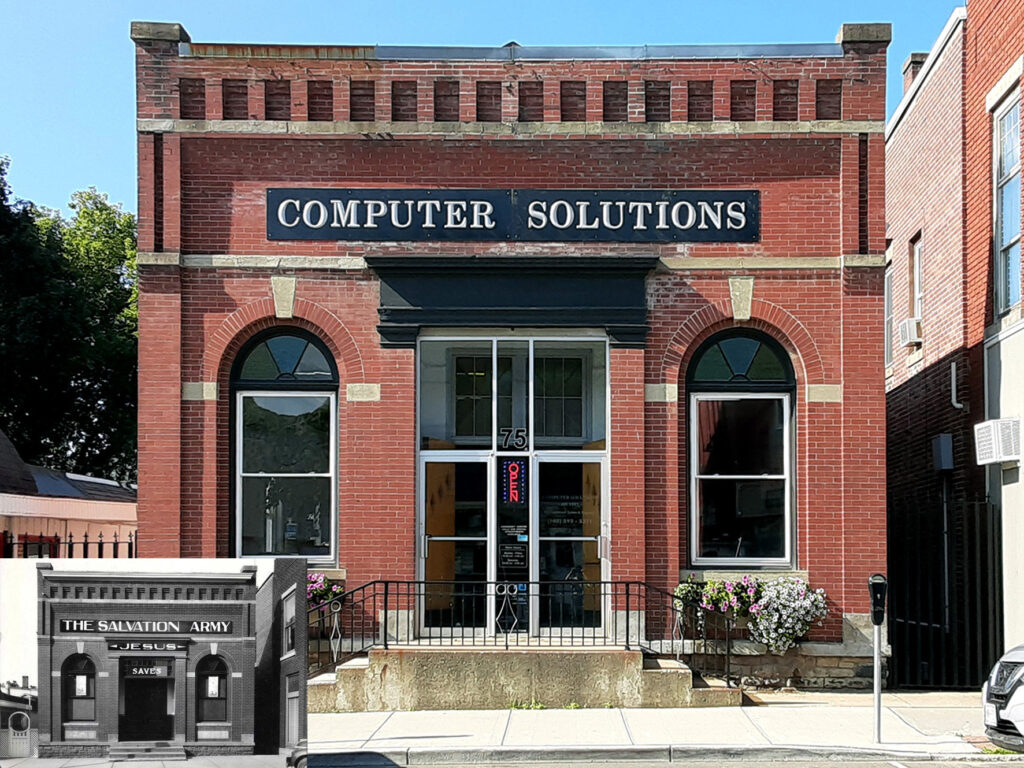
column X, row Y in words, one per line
column 956, row 19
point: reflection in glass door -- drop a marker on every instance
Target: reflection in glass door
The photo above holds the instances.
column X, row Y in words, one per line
column 455, row 543
column 512, row 446
column 569, row 531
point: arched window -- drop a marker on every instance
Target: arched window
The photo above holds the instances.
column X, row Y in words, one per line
column 285, row 387
column 741, row 386
column 212, row 690
column 79, row 675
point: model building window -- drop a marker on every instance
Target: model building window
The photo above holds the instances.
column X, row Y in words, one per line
column 79, row 689
column 740, row 386
column 285, row 398
column 288, row 623
column 1007, row 204
column 212, row 689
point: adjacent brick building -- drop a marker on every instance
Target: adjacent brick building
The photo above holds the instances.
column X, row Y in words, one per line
column 953, row 226
column 350, row 352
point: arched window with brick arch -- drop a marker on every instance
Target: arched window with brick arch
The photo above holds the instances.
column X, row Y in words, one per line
column 211, row 690
column 284, row 386
column 741, row 389
column 79, row 675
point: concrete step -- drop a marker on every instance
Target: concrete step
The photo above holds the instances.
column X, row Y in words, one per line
column 714, row 692
column 666, row 683
column 475, row 678
column 146, row 750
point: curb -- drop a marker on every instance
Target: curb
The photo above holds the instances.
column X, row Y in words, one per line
column 413, row 756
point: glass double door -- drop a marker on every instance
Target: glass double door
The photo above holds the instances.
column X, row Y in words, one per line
column 512, row 477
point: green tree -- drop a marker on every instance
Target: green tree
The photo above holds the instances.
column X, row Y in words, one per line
column 68, row 333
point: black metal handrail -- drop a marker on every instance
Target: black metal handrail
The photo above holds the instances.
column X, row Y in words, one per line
column 46, row 546
column 571, row 613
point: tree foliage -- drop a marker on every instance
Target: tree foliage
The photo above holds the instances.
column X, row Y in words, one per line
column 68, row 333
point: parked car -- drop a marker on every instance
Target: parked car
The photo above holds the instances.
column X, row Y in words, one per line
column 297, row 758
column 1003, row 699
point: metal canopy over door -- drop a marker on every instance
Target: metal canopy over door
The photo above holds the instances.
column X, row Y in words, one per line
column 512, row 482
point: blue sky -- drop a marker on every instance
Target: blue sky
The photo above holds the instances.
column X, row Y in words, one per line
column 67, row 97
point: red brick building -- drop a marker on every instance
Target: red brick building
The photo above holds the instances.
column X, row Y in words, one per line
column 954, row 357
column 515, row 313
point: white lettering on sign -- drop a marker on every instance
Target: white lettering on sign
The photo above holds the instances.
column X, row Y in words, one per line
column 138, row 626
column 146, row 626
column 127, row 645
column 737, row 213
column 627, row 215
column 282, row 213
column 210, row 627
column 345, row 215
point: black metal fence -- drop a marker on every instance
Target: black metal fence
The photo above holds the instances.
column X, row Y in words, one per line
column 620, row 614
column 44, row 546
column 945, row 591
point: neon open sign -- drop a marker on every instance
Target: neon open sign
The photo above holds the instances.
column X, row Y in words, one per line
column 513, row 481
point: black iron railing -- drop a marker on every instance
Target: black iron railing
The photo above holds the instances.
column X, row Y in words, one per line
column 612, row 614
column 44, row 546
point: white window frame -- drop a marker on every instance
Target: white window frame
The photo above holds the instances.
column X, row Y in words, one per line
column 917, row 277
column 332, row 467
column 787, row 465
column 887, row 323
column 288, row 598
column 999, row 182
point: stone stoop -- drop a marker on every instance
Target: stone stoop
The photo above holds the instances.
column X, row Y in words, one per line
column 146, row 750
column 445, row 679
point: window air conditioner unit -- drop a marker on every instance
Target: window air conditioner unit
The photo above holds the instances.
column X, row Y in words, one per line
column 910, row 332
column 997, row 440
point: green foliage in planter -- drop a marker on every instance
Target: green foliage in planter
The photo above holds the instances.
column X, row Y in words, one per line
column 778, row 611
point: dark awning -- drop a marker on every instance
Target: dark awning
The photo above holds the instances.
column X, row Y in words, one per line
column 512, row 291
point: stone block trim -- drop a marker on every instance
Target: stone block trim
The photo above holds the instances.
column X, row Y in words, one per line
column 199, row 390
column 284, row 296
column 741, row 292
column 362, row 393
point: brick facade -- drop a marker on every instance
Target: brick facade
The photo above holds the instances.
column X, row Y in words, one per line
column 995, row 50
column 958, row 521
column 206, row 264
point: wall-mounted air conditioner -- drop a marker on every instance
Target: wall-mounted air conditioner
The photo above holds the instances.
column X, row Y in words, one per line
column 910, row 332
column 997, row 440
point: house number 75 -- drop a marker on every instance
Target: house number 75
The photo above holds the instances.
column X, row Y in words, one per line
column 515, row 438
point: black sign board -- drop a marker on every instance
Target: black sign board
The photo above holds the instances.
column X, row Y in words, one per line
column 146, row 645
column 542, row 215
column 145, row 626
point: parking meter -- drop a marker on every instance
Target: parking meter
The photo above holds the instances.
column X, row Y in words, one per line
column 878, row 587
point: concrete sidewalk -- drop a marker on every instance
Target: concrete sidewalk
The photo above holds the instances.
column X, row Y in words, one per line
column 205, row 761
column 774, row 726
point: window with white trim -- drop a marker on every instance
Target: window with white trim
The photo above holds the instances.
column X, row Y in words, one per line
column 888, row 325
column 1007, row 211
column 288, row 623
column 916, row 277
column 285, row 409
column 741, row 387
